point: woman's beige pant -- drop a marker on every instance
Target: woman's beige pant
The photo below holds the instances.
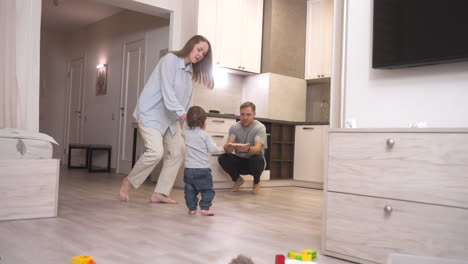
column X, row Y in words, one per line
column 155, row 143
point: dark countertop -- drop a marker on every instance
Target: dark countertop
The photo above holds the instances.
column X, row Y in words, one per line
column 267, row 120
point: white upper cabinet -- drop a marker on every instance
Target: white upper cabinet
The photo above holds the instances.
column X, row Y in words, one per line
column 207, row 20
column 234, row 28
column 318, row 39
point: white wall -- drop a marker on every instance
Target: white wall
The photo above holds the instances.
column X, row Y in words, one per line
column 436, row 94
column 53, row 84
column 102, row 42
column 225, row 97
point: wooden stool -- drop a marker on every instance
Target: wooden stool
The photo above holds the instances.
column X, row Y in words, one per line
column 92, row 148
column 78, row 146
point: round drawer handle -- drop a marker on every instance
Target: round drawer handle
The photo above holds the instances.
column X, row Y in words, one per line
column 388, row 209
column 390, row 142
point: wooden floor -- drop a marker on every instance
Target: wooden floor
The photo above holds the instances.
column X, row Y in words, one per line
column 92, row 221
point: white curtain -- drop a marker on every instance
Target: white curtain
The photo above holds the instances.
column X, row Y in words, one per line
column 20, row 25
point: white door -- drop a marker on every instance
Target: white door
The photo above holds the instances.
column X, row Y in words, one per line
column 314, row 40
column 252, row 22
column 133, row 83
column 74, row 122
column 230, row 35
column 308, row 153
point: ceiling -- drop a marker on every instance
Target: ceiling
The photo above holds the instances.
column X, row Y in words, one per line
column 71, row 15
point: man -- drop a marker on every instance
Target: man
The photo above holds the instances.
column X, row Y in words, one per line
column 244, row 149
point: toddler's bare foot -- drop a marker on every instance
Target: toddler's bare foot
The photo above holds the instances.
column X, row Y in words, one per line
column 207, row 213
column 125, row 190
column 237, row 184
column 161, row 198
column 256, row 188
column 192, row 212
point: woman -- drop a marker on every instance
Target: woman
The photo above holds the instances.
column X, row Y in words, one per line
column 163, row 102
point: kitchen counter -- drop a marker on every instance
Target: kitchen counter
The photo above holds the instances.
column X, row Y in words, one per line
column 267, row 120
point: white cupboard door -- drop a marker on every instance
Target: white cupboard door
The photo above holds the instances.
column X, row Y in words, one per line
column 327, row 20
column 314, row 40
column 252, row 14
column 207, row 24
column 308, row 153
column 230, row 38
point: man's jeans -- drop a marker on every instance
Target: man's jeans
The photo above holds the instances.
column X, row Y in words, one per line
column 198, row 180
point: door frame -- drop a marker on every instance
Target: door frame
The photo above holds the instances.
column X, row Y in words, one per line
column 67, row 106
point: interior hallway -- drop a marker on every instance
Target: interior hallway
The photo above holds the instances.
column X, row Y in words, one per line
column 91, row 221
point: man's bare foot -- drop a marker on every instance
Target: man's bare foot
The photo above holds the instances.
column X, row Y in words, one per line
column 256, row 188
column 161, row 198
column 237, row 184
column 125, row 190
column 207, row 213
column 192, row 212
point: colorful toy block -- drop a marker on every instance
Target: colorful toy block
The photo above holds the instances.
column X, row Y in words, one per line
column 280, row 259
column 83, row 260
column 304, row 255
column 312, row 253
column 292, row 254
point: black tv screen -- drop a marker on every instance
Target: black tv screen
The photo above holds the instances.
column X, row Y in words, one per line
column 410, row 33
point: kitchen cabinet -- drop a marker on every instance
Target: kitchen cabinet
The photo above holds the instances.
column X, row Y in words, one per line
column 234, row 29
column 319, row 39
column 396, row 191
column 309, row 153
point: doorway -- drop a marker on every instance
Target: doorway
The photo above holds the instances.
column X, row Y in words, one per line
column 132, row 85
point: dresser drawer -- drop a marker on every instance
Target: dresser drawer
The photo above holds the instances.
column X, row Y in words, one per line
column 217, row 172
column 424, row 167
column 219, row 138
column 359, row 226
column 214, row 124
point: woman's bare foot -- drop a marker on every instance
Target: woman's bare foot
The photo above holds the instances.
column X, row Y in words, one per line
column 161, row 198
column 125, row 187
column 192, row 212
column 237, row 184
column 207, row 213
column 256, row 188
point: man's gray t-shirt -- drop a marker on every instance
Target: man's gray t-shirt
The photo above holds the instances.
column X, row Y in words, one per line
column 256, row 132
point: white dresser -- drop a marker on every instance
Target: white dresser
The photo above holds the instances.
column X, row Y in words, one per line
column 218, row 128
column 396, row 190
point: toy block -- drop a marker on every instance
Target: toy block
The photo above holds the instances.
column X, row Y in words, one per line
column 83, row 260
column 280, row 259
column 292, row 254
column 311, row 252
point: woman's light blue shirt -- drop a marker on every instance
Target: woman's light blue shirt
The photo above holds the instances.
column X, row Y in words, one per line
column 167, row 95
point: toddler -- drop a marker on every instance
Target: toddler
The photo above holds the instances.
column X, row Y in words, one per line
column 197, row 174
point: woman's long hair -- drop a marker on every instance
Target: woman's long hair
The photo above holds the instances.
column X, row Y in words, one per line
column 202, row 70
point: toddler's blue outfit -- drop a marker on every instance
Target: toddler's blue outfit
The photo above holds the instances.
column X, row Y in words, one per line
column 197, row 174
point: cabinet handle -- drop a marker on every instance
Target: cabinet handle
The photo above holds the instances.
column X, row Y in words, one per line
column 217, row 62
column 308, row 128
column 218, row 121
column 388, row 209
column 318, row 75
column 238, row 67
column 217, row 136
column 390, row 142
column 243, row 67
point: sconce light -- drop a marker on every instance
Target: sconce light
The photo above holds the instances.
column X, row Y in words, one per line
column 99, row 66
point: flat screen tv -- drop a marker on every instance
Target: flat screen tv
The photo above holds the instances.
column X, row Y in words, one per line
column 410, row 33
